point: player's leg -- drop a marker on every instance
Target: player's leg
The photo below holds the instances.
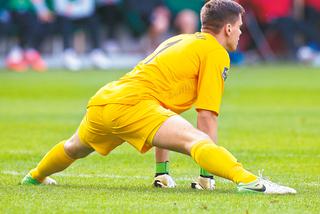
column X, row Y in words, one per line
column 57, row 159
column 179, row 135
column 162, row 161
column 91, row 135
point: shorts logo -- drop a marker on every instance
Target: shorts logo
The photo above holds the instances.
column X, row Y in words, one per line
column 225, row 74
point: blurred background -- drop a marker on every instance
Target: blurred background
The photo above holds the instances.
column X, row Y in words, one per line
column 103, row 34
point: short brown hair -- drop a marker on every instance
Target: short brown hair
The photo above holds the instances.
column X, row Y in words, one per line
column 216, row 13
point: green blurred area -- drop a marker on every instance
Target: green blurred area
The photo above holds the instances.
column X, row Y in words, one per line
column 270, row 120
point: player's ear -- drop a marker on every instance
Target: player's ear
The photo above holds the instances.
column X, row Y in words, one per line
column 228, row 29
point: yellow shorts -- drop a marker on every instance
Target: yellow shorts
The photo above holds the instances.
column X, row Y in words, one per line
column 105, row 127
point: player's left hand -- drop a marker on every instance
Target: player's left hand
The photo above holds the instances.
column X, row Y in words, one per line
column 164, row 181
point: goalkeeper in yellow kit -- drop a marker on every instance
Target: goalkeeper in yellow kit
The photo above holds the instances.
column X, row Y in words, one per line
column 143, row 107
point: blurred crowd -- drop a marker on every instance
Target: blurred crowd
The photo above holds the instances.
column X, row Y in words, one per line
column 285, row 29
column 29, row 29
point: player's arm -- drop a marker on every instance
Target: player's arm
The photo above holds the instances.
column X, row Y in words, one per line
column 210, row 89
column 207, row 121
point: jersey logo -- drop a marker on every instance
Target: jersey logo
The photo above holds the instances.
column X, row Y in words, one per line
column 225, row 74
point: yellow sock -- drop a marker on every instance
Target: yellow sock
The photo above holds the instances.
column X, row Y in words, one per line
column 217, row 160
column 54, row 161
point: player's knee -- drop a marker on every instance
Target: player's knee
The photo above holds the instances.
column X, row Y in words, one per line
column 197, row 136
column 75, row 149
column 202, row 145
column 71, row 149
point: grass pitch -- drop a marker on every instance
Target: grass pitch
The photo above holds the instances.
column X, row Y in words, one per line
column 270, row 120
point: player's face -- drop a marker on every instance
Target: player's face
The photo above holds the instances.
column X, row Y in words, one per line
column 233, row 34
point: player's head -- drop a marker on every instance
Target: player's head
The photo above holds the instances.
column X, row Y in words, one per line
column 223, row 17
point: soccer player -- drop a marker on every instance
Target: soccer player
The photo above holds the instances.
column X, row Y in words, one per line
column 143, row 107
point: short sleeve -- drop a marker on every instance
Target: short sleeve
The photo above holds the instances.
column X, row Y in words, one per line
column 212, row 74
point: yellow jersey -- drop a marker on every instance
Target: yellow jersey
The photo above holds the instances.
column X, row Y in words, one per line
column 184, row 70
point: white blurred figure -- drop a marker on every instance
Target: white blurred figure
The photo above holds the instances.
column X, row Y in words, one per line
column 80, row 13
column 306, row 54
column 309, row 55
column 316, row 60
column 71, row 60
column 110, row 15
column 99, row 59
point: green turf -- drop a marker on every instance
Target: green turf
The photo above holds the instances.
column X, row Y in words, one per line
column 270, row 120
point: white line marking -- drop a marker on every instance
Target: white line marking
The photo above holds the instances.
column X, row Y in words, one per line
column 7, row 172
column 312, row 184
column 15, row 173
column 18, row 152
